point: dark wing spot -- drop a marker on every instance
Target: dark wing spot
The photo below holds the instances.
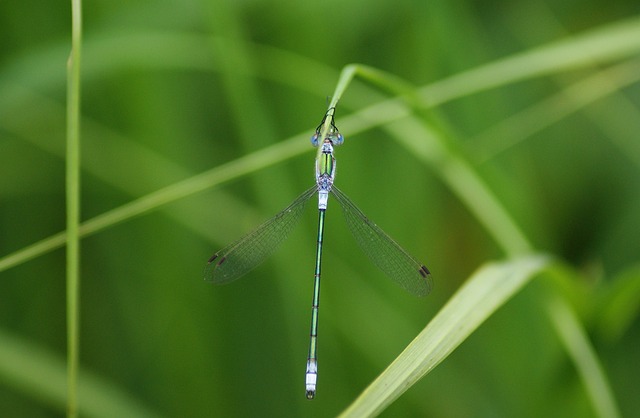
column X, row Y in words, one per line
column 424, row 271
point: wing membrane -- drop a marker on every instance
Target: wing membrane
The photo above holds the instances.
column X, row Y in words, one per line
column 383, row 251
column 239, row 258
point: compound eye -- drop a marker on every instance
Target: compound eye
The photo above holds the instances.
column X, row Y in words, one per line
column 314, row 139
column 337, row 139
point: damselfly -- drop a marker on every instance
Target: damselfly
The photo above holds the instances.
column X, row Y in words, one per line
column 242, row 256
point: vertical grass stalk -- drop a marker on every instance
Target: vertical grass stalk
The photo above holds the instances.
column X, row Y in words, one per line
column 73, row 207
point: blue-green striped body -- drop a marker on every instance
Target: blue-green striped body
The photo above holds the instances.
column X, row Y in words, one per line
column 325, row 174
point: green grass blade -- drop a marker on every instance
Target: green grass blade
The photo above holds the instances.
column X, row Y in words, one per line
column 569, row 100
column 252, row 162
column 437, row 150
column 73, row 208
column 576, row 343
column 608, row 43
column 486, row 290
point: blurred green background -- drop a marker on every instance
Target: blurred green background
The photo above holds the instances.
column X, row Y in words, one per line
column 174, row 88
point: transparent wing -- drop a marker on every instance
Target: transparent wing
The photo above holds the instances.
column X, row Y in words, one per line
column 239, row 258
column 385, row 253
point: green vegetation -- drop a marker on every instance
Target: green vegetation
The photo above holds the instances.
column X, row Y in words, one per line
column 502, row 136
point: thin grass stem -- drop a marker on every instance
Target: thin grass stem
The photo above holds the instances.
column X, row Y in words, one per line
column 73, row 208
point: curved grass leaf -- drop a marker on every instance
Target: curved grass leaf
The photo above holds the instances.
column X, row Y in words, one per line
column 487, row 289
column 576, row 343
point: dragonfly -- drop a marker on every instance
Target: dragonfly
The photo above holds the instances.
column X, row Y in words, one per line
column 242, row 256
